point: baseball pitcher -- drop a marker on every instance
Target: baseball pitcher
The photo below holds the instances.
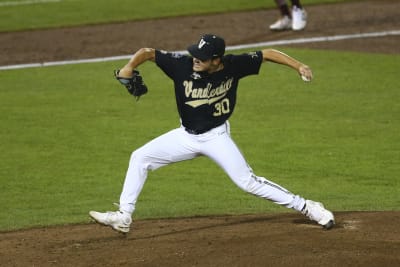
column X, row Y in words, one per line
column 205, row 84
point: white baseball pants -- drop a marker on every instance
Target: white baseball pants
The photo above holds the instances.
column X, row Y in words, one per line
column 178, row 145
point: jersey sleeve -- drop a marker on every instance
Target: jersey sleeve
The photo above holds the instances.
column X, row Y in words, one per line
column 169, row 62
column 246, row 64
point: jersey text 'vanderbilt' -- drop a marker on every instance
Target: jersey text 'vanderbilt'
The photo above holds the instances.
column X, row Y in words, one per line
column 204, row 100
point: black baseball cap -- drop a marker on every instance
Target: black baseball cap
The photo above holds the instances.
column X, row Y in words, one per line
column 209, row 46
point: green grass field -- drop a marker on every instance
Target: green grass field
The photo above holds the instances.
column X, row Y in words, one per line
column 68, row 131
column 56, row 13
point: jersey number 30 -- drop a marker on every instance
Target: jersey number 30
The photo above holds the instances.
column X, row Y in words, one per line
column 222, row 107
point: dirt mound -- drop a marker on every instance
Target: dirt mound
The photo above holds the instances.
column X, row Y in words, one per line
column 359, row 239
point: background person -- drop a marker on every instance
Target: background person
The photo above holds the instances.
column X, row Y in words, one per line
column 295, row 19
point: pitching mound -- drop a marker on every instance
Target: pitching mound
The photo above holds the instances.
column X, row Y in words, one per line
column 359, row 239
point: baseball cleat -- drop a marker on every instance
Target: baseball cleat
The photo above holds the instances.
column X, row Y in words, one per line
column 316, row 212
column 118, row 220
column 284, row 23
column 299, row 17
column 329, row 225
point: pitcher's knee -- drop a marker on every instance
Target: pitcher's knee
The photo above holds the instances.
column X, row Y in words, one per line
column 138, row 158
column 246, row 183
column 253, row 184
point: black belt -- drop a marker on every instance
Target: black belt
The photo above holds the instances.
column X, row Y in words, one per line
column 196, row 132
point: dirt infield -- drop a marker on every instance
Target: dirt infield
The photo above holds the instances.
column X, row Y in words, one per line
column 359, row 238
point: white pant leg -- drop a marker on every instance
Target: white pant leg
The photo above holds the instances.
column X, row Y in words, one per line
column 226, row 154
column 168, row 148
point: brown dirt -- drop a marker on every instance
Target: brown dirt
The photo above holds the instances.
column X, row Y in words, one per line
column 360, row 238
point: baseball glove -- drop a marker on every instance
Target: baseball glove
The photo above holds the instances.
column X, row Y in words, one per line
column 134, row 85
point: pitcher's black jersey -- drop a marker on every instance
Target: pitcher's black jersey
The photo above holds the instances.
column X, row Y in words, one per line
column 206, row 100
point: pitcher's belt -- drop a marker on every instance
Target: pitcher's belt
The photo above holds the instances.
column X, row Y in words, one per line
column 196, row 132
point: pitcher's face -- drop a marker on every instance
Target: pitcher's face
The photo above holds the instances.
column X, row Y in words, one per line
column 209, row 65
column 199, row 65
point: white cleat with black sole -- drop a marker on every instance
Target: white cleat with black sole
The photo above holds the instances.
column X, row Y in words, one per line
column 317, row 212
